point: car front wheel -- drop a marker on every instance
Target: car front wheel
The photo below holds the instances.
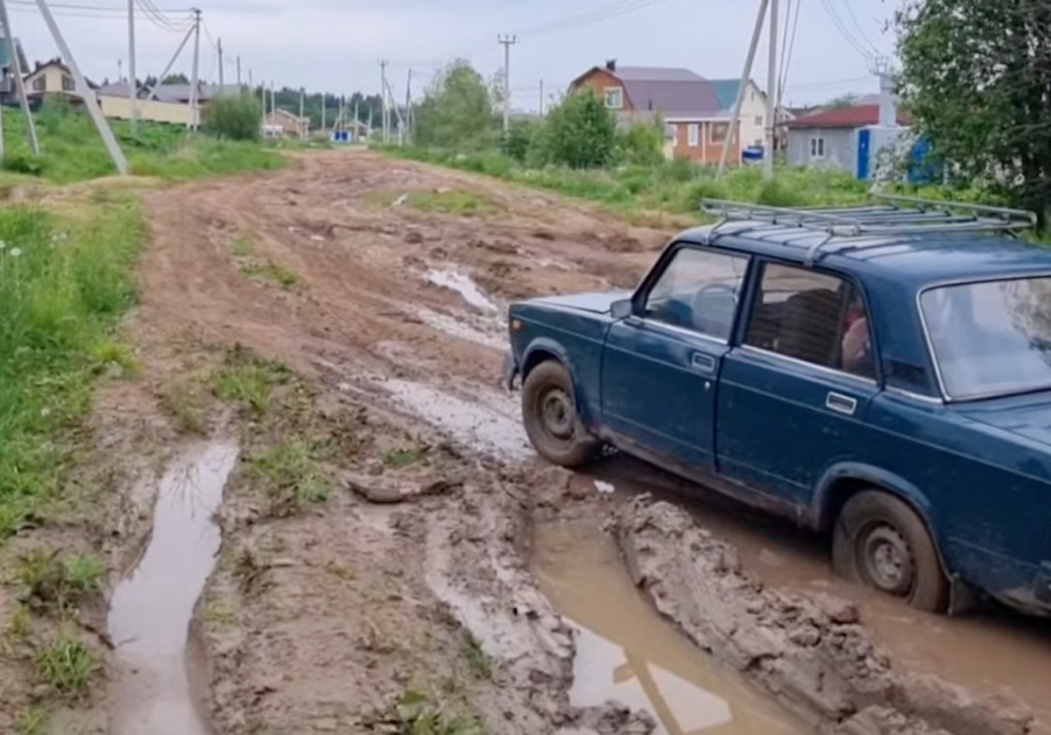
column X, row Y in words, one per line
column 550, row 416
column 881, row 542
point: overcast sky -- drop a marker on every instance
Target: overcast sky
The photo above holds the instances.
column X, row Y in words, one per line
column 335, row 44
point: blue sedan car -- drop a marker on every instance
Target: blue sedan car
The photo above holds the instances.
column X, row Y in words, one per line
column 882, row 373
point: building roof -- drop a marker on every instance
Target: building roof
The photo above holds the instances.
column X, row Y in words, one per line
column 857, row 116
column 673, row 91
column 171, row 92
column 727, row 90
column 654, row 74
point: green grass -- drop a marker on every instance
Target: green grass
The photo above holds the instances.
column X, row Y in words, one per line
column 452, row 201
column 59, row 583
column 65, row 281
column 249, row 380
column 243, row 246
column 67, row 666
column 415, row 714
column 291, row 475
column 33, row 721
column 401, row 458
column 71, row 149
column 270, row 271
column 480, row 662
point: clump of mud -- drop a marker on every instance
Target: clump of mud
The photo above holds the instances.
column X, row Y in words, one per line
column 811, row 655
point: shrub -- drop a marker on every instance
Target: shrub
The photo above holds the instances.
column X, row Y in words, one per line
column 235, row 117
column 518, row 139
column 642, row 144
column 582, row 132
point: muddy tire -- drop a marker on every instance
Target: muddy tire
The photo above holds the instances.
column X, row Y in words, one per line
column 881, row 542
column 549, row 412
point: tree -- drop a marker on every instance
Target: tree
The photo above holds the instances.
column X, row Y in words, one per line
column 581, row 132
column 976, row 78
column 841, row 102
column 457, row 111
column 176, row 79
column 235, row 117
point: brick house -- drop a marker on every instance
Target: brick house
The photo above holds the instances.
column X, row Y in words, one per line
column 696, row 121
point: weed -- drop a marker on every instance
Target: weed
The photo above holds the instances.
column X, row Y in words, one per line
column 21, row 625
column 219, row 612
column 377, row 640
column 343, row 571
column 67, row 666
column 184, row 402
column 450, row 201
column 249, row 571
column 416, row 714
column 481, row 663
column 242, row 246
column 291, row 476
column 273, row 272
column 59, row 584
column 115, row 359
column 400, row 458
column 249, row 380
column 33, row 721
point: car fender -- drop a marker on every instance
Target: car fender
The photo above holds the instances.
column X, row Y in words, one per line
column 869, row 474
column 557, row 351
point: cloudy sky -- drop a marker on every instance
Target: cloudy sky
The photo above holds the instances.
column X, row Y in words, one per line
column 335, row 45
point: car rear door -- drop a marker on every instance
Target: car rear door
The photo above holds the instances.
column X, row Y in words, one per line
column 661, row 366
column 793, row 397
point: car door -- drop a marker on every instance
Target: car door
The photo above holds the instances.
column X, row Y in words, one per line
column 793, row 397
column 661, row 365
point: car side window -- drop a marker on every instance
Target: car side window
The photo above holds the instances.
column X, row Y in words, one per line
column 814, row 317
column 698, row 290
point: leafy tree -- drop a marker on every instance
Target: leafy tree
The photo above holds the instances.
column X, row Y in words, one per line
column 842, row 102
column 642, row 143
column 976, row 75
column 581, row 131
column 457, row 111
column 176, row 79
column 236, row 117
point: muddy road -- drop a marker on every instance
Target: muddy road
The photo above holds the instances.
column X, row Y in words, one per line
column 429, row 569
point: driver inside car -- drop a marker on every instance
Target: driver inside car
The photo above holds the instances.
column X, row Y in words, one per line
column 856, row 348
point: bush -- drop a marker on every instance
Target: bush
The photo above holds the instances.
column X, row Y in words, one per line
column 642, row 145
column 581, row 132
column 518, row 139
column 234, row 117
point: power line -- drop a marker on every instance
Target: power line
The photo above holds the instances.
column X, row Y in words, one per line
column 789, row 48
column 622, row 7
column 861, row 31
column 843, row 30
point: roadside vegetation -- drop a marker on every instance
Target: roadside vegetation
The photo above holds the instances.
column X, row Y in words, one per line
column 71, row 149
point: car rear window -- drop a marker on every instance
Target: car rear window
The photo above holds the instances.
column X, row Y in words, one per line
column 991, row 338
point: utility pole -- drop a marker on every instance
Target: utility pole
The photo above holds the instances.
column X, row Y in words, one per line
column 120, row 70
column 133, row 86
column 408, row 107
column 541, row 98
column 219, row 50
column 175, row 57
column 20, row 86
column 238, row 71
column 746, row 76
column 90, row 101
column 196, row 67
column 771, row 97
column 507, row 42
column 383, row 91
column 302, row 112
column 324, row 110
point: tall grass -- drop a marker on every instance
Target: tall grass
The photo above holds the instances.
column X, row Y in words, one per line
column 71, row 149
column 63, row 285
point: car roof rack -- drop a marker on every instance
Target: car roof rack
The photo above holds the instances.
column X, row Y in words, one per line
column 885, row 214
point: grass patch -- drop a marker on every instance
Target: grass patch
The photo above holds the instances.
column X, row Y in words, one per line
column 401, row 458
column 64, row 283
column 184, row 402
column 33, row 721
column 452, row 201
column 415, row 714
column 220, row 613
column 268, row 270
column 480, row 662
column 67, row 666
column 249, row 380
column 342, row 571
column 243, row 246
column 71, row 149
column 291, row 476
column 59, row 583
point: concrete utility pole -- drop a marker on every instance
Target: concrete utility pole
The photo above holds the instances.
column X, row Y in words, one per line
column 175, row 57
column 771, row 97
column 196, row 68
column 120, row 70
column 222, row 75
column 408, row 107
column 90, row 101
column 735, row 116
column 238, row 71
column 324, row 110
column 133, row 86
column 386, row 110
column 20, row 85
column 541, row 98
column 302, row 112
column 507, row 42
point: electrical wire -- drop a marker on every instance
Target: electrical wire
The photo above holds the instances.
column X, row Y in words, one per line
column 155, row 16
column 788, row 50
column 844, row 31
column 622, row 7
column 861, row 31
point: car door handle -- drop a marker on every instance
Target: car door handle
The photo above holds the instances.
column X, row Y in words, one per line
column 703, row 363
column 841, row 404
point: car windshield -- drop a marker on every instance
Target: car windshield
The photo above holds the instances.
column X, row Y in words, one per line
column 991, row 338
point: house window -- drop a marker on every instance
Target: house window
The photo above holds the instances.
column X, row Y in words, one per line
column 68, row 85
column 814, row 317
column 674, row 135
column 40, row 84
column 759, row 121
column 718, row 132
column 615, row 98
column 693, row 135
column 817, row 147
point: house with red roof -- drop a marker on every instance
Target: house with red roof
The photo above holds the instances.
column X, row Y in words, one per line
column 834, row 138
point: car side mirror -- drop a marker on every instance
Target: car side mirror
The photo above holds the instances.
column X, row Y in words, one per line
column 622, row 309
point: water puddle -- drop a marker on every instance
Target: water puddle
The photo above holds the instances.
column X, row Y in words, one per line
column 151, row 608
column 489, row 423
column 457, row 328
column 627, row 653
column 464, row 286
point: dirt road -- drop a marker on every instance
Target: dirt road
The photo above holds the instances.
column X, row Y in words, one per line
column 385, row 284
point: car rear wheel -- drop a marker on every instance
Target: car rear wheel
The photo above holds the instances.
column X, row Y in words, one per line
column 549, row 412
column 881, row 542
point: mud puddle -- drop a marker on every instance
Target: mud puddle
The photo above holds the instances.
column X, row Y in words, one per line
column 151, row 608
column 627, row 653
column 464, row 286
